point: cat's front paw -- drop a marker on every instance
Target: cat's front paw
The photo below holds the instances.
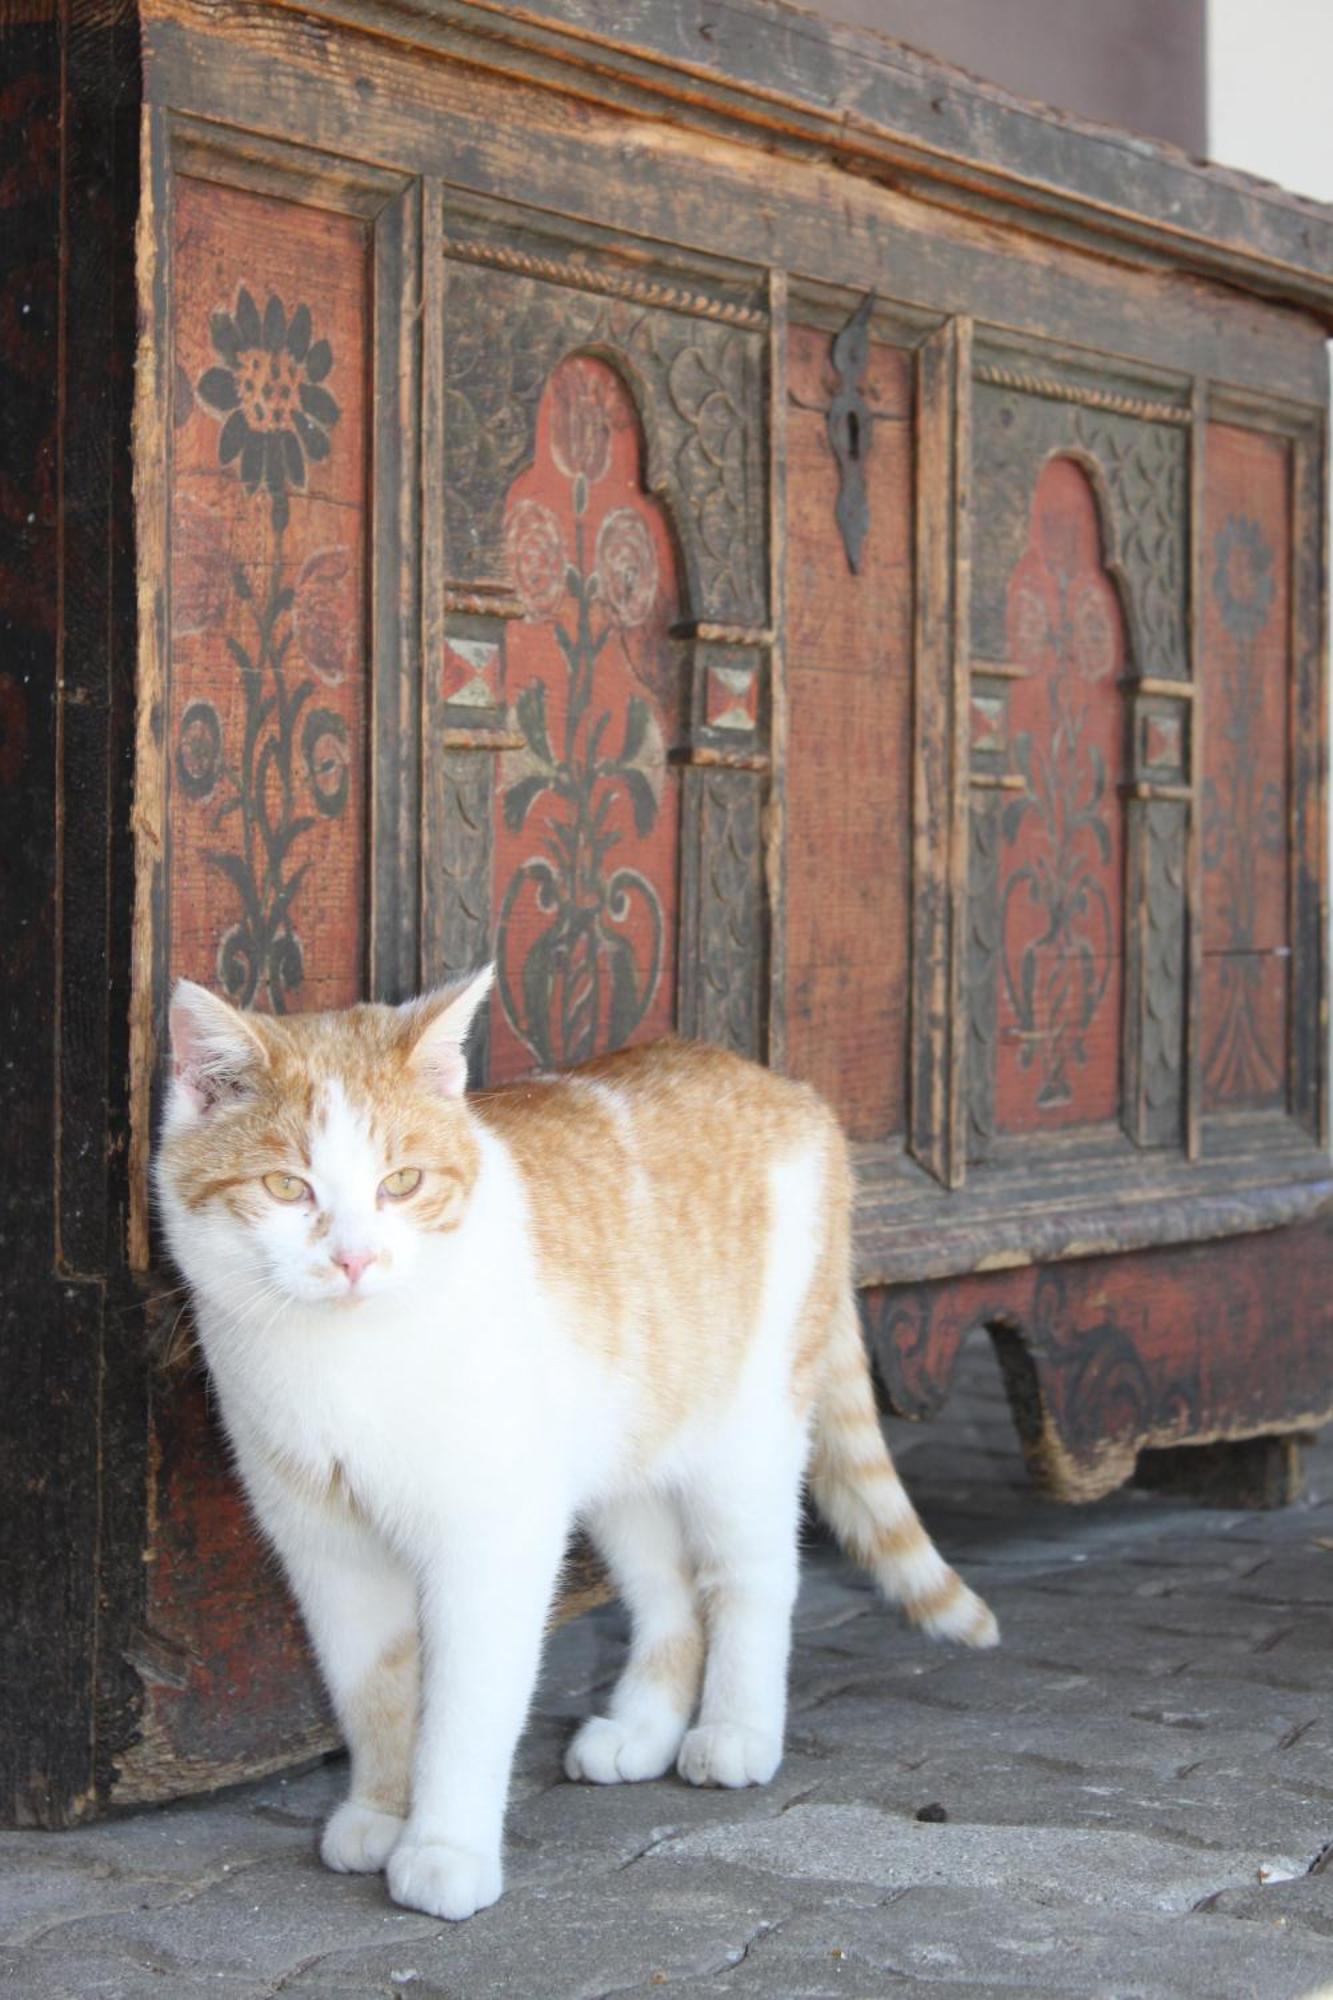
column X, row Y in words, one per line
column 608, row 1752
column 725, row 1753
column 359, row 1839
column 443, row 1880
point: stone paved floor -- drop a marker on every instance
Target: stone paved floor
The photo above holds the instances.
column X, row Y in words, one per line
column 1129, row 1800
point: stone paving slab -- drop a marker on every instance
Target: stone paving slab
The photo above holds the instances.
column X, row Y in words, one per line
column 1132, row 1799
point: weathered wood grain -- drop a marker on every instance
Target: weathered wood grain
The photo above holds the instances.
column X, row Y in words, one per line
column 69, row 101
column 1310, row 928
column 848, row 784
column 504, row 137
column 939, row 646
column 924, row 124
column 394, row 775
column 776, row 805
column 1247, row 683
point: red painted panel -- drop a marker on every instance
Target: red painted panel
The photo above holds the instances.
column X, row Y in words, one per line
column 268, row 601
column 1246, row 688
column 229, row 1686
column 849, row 789
column 1061, row 893
column 588, row 815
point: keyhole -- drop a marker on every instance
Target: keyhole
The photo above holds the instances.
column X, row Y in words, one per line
column 853, row 435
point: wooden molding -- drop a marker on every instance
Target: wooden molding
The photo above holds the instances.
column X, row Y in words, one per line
column 1060, row 391
column 929, row 128
column 613, row 284
column 1087, row 1196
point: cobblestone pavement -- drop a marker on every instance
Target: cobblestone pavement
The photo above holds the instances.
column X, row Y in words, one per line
column 1130, row 1799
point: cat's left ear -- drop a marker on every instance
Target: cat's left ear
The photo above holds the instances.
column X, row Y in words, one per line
column 437, row 1030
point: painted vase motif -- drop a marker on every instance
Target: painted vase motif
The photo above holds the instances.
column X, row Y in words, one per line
column 1062, row 866
column 586, row 847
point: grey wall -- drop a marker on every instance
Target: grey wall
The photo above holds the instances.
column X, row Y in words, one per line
column 1139, row 63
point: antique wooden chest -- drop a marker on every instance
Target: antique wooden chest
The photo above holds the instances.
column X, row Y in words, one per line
column 758, row 533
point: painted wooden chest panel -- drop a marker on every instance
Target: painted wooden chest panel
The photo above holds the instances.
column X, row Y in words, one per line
column 849, row 695
column 775, row 544
column 267, row 559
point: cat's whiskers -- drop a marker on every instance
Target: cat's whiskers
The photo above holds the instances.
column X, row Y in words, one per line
column 234, row 1322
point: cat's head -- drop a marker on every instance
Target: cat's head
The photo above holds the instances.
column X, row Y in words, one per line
column 313, row 1157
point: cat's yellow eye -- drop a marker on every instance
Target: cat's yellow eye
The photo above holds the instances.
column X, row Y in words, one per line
column 402, row 1182
column 286, row 1187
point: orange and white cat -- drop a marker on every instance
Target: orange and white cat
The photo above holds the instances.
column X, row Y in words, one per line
column 444, row 1330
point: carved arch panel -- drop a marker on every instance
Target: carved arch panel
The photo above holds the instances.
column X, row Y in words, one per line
column 1075, row 973
column 587, row 826
column 1059, row 898
column 598, row 651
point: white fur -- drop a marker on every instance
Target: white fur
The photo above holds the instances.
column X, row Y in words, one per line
column 472, row 1430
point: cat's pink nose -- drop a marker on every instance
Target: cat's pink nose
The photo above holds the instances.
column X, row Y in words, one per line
column 354, row 1262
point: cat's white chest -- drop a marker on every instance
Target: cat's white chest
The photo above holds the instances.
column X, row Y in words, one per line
column 318, row 1397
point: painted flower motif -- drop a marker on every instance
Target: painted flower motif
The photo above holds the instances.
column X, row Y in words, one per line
column 580, row 423
column 626, row 567
column 328, row 759
column 199, row 758
column 537, row 560
column 1243, row 577
column 324, row 613
column 269, row 389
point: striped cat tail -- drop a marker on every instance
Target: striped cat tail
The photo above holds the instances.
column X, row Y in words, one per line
column 860, row 1495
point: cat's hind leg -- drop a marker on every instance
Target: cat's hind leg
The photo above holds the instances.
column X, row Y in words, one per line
column 744, row 1513
column 742, row 1503
column 649, row 1711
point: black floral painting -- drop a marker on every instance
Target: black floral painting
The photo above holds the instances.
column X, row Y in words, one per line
column 290, row 764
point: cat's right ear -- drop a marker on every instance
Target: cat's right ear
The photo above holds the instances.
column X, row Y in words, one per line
column 216, row 1054
column 437, row 1030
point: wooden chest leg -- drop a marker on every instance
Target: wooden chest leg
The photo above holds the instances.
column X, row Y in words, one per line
column 1266, row 1471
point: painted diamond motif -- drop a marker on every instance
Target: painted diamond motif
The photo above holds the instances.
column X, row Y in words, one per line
column 472, row 672
column 1161, row 742
column 733, row 696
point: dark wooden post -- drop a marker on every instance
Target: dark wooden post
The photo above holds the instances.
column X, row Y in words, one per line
column 72, row 1436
